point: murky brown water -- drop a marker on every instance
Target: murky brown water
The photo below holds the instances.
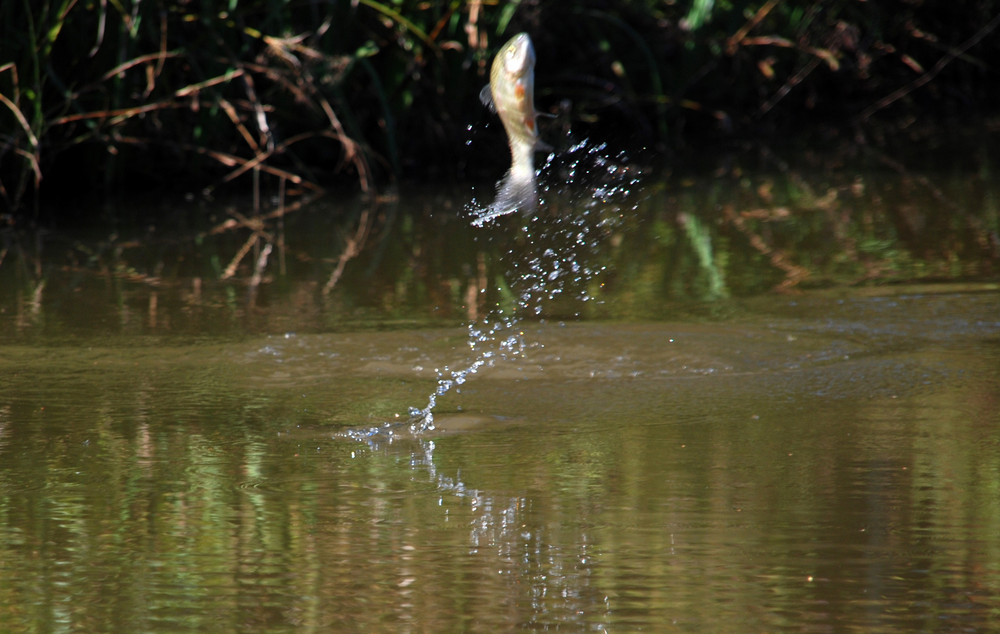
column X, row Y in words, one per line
column 822, row 461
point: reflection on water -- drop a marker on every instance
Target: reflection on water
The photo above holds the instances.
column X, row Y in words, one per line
column 172, row 454
column 414, row 260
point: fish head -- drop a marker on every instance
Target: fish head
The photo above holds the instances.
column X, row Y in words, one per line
column 518, row 55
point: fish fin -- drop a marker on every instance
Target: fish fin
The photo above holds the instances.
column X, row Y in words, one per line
column 487, row 98
column 542, row 146
column 514, row 193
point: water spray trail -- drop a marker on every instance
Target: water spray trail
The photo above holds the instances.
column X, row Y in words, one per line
column 510, row 346
column 559, row 244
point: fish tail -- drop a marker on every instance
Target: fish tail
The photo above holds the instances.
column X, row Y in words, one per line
column 516, row 192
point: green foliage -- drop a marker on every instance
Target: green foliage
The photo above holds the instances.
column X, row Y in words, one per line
column 286, row 89
column 94, row 97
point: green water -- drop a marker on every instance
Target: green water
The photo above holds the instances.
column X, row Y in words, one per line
column 681, row 444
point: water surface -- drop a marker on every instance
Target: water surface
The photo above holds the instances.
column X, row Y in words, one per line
column 676, row 444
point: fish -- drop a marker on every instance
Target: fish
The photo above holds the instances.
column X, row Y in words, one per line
column 511, row 93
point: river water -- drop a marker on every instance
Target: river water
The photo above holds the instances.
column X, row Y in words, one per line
column 755, row 404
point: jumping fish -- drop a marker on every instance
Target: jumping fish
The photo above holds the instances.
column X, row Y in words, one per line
column 511, row 93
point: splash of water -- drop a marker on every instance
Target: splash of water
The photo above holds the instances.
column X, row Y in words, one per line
column 556, row 253
column 582, row 189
